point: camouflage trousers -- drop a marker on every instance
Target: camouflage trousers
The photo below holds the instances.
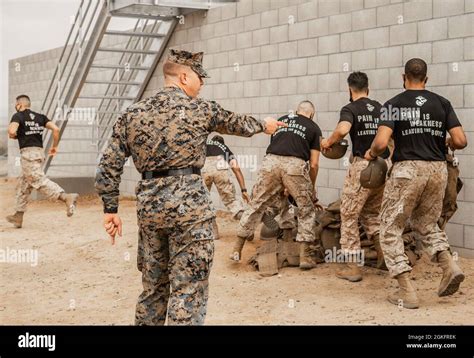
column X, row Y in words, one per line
column 279, row 172
column 33, row 177
column 175, row 265
column 358, row 203
column 413, row 196
column 212, row 173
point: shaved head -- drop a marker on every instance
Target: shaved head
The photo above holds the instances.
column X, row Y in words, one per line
column 173, row 70
column 183, row 77
column 306, row 108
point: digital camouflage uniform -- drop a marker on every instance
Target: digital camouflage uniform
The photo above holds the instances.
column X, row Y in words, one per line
column 33, row 177
column 216, row 171
column 358, row 203
column 175, row 213
column 414, row 190
column 277, row 173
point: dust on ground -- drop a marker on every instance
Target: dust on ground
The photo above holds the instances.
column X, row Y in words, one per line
column 81, row 279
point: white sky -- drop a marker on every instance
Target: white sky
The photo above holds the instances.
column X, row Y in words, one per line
column 27, row 27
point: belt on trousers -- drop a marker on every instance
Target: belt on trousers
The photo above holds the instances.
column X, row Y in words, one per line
column 170, row 173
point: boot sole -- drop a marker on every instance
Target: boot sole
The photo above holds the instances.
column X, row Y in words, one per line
column 350, row 278
column 72, row 208
column 410, row 306
column 18, row 226
column 453, row 285
column 307, row 267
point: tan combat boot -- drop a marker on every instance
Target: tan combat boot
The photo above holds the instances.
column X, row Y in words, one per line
column 380, row 259
column 452, row 274
column 16, row 219
column 351, row 272
column 70, row 200
column 237, row 249
column 406, row 294
column 307, row 261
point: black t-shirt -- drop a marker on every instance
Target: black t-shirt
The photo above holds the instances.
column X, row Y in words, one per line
column 419, row 119
column 215, row 149
column 296, row 140
column 364, row 115
column 31, row 128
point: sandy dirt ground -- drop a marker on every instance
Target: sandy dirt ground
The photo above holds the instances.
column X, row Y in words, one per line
column 81, row 279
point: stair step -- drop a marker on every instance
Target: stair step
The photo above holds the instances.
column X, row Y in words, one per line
column 138, row 34
column 114, row 83
column 126, row 50
column 107, row 97
column 140, row 68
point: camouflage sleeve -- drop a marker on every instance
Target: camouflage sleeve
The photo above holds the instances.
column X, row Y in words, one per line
column 110, row 167
column 227, row 122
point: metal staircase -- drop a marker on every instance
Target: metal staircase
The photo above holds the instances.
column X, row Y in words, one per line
column 110, row 54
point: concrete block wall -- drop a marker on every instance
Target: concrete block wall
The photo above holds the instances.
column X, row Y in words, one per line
column 264, row 56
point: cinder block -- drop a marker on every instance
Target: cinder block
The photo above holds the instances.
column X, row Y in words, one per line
column 340, row 62
column 376, row 38
column 260, row 37
column 420, row 50
column 260, row 71
column 468, row 189
column 464, row 213
column 252, row 55
column 229, row 11
column 336, row 178
column 307, row 11
column 438, row 74
column 389, row 15
column 252, row 22
column 468, row 96
column 307, row 84
column 298, row 31
column 403, row 34
column 351, row 5
column 443, row 8
column 308, row 47
column 455, row 234
column 322, row 178
column 288, row 50
column 328, row 7
column 318, row 64
column 378, row 79
column 363, row 59
column 287, row 15
column 236, row 57
column 252, row 89
column 327, row 195
column 469, row 48
column 433, row 30
column 327, row 121
column 328, row 44
column 207, row 31
column 244, row 40
column 213, row 45
column 287, row 86
column 221, row 59
column 236, row 26
column 364, row 19
column 389, row 57
column 461, row 26
column 269, row 87
column 469, row 236
column 320, row 101
column 236, row 90
column 228, row 43
column 318, row 27
column 469, row 6
column 297, row 67
column 220, row 29
column 464, row 115
column 244, row 73
column 261, row 5
column 244, row 7
column 375, row 3
column 279, row 34
column 337, row 101
column 417, row 10
column 276, row 4
column 260, row 105
column 448, row 50
column 453, row 93
column 278, row 69
column 352, row 41
column 340, row 23
column 269, row 18
column 328, row 82
column 269, row 53
column 461, row 73
column 228, row 74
